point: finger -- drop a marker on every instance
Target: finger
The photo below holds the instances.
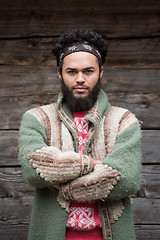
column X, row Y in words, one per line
column 45, row 157
column 42, row 163
column 50, row 171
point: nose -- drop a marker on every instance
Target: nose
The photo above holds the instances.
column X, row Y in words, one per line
column 80, row 78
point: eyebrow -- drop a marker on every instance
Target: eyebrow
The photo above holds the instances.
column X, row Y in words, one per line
column 74, row 69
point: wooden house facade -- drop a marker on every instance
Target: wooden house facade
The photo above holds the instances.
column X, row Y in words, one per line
column 28, row 78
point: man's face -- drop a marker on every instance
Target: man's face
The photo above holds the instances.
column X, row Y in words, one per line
column 80, row 73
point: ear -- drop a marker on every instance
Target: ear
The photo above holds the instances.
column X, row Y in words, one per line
column 101, row 72
column 59, row 74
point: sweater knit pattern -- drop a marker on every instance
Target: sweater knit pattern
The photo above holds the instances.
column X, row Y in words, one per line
column 82, row 216
column 49, row 146
column 97, row 146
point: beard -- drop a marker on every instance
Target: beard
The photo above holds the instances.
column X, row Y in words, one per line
column 81, row 103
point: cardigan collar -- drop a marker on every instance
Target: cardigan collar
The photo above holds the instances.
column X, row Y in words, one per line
column 94, row 115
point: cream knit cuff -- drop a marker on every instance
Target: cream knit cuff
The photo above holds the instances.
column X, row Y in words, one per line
column 87, row 166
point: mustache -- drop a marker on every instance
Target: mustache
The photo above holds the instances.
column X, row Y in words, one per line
column 80, row 86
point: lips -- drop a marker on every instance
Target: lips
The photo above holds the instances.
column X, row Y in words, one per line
column 80, row 88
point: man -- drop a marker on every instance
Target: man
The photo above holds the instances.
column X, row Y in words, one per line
column 81, row 154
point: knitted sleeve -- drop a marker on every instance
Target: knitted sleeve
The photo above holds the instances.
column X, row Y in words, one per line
column 44, row 165
column 105, row 181
column 126, row 158
column 32, row 136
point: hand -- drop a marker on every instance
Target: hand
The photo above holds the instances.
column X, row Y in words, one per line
column 55, row 166
column 93, row 186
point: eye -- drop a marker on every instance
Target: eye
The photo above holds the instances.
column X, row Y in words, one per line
column 71, row 72
column 88, row 71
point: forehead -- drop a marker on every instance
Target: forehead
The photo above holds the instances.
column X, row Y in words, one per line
column 80, row 60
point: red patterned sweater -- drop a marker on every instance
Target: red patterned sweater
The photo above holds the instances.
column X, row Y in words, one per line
column 83, row 216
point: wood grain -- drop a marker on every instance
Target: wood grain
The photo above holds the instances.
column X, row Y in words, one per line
column 19, row 232
column 34, row 80
column 9, row 148
column 150, row 182
column 23, row 22
column 145, row 106
column 38, row 52
column 9, row 145
column 115, row 5
column 146, row 211
column 135, row 88
column 14, row 186
column 15, row 213
column 149, row 146
column 147, row 232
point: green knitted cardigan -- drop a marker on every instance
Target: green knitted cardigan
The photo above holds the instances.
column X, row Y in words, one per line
column 48, row 219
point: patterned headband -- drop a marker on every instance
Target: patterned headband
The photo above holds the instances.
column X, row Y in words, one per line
column 79, row 47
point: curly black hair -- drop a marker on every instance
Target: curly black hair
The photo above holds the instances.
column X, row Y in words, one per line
column 80, row 35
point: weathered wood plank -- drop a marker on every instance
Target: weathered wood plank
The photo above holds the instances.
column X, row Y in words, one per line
column 8, row 148
column 28, row 80
column 119, row 21
column 34, row 80
column 134, row 52
column 131, row 80
column 9, row 144
column 19, row 232
column 150, row 147
column 37, row 52
column 14, row 232
column 20, row 216
column 13, row 184
column 147, row 232
column 114, row 6
column 145, row 106
column 146, row 211
column 150, row 182
column 41, row 85
column 23, row 207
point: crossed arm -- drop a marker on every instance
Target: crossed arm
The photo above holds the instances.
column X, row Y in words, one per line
column 80, row 179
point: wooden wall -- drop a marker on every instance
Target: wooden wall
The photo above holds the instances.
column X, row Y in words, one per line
column 28, row 29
